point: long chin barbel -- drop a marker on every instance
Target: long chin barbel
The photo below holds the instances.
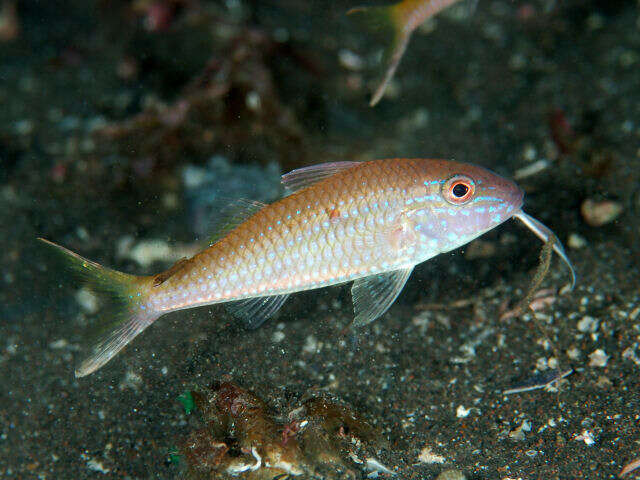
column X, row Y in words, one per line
column 545, row 234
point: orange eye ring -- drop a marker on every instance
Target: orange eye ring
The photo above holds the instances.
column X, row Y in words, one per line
column 458, row 190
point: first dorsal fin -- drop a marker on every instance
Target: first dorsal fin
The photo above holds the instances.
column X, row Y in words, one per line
column 233, row 215
column 304, row 177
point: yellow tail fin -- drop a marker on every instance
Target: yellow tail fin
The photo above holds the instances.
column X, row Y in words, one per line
column 386, row 20
column 125, row 315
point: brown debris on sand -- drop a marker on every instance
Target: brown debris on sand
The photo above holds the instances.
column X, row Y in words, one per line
column 243, row 438
column 231, row 104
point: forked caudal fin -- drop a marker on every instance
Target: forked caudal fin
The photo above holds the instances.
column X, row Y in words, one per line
column 388, row 22
column 544, row 233
column 125, row 314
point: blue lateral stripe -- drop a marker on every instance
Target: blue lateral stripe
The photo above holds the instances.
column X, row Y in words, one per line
column 488, row 199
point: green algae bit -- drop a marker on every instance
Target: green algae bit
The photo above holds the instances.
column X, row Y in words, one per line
column 186, row 399
column 173, row 457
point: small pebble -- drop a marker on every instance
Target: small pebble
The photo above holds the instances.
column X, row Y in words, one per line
column 253, row 101
column 603, row 382
column 451, row 475
column 58, row 344
column 588, row 324
column 131, row 381
column 146, row 252
column 311, row 345
column 97, row 466
column 597, row 213
column 598, row 358
column 350, row 60
column 542, row 364
column 529, row 152
column 462, row 412
column 574, row 353
column 518, row 434
column 630, row 354
column 532, row 169
column 576, row 241
column 87, row 300
column 587, row 437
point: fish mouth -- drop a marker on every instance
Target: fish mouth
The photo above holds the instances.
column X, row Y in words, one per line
column 518, row 199
column 545, row 234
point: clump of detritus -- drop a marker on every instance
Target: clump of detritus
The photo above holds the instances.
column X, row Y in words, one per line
column 243, row 438
column 232, row 104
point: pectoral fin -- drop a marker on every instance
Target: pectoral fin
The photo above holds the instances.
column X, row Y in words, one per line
column 373, row 295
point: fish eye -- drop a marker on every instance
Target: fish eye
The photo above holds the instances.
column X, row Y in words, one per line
column 458, row 190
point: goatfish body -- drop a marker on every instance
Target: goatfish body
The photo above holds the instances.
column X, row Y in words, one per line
column 366, row 222
column 398, row 21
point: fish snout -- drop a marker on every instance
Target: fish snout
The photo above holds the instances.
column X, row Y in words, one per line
column 501, row 199
column 514, row 197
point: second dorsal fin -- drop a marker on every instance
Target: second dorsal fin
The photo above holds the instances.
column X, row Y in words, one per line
column 303, row 177
column 233, row 215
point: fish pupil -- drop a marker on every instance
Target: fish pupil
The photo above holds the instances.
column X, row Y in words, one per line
column 459, row 190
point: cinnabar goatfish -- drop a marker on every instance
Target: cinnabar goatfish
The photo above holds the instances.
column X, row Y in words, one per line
column 398, row 21
column 366, row 222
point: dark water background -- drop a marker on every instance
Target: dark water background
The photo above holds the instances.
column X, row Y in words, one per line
column 119, row 123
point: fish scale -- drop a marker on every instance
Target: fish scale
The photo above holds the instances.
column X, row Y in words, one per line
column 276, row 252
column 368, row 222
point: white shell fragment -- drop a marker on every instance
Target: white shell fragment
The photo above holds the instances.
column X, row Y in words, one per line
column 587, row 437
column 462, row 412
column 598, row 358
column 427, row 456
column 599, row 213
column 374, row 465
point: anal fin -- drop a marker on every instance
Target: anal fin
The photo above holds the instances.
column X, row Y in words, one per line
column 255, row 311
column 373, row 295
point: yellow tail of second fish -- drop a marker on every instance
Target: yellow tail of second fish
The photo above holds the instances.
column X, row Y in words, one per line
column 390, row 23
